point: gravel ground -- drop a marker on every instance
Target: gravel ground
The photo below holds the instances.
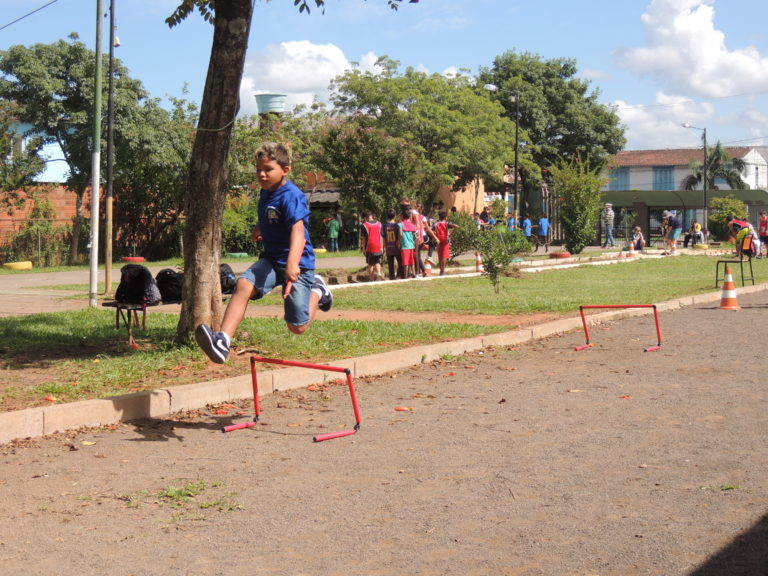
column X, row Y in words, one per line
column 533, row 460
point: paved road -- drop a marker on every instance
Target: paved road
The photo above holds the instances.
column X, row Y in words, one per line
column 26, row 293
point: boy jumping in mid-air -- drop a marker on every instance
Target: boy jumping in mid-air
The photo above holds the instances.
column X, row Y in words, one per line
column 287, row 260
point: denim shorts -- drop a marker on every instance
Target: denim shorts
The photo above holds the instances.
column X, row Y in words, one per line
column 264, row 277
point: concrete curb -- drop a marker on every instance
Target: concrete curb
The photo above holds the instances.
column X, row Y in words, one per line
column 34, row 422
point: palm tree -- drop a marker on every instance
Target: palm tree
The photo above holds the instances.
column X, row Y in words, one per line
column 719, row 165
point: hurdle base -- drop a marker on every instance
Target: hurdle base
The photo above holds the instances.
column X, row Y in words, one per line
column 240, row 426
column 653, row 348
column 584, row 347
column 332, row 435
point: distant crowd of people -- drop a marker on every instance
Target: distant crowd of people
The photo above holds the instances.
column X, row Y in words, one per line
column 401, row 240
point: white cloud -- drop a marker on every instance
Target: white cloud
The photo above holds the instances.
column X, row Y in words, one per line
column 686, row 54
column 659, row 125
column 301, row 70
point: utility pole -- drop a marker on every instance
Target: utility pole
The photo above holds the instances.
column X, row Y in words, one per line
column 96, row 166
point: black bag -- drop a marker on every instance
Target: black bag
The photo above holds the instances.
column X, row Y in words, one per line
column 171, row 284
column 227, row 278
column 137, row 286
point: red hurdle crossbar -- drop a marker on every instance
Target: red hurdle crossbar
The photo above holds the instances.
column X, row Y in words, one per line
column 323, row 367
column 655, row 316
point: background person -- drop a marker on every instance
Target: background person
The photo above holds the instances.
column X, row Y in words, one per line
column 638, row 240
column 693, row 235
column 371, row 239
column 607, row 217
column 673, row 230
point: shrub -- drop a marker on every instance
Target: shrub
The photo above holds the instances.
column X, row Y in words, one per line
column 721, row 210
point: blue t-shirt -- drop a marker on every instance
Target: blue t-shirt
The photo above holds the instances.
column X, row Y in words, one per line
column 527, row 227
column 543, row 226
column 278, row 212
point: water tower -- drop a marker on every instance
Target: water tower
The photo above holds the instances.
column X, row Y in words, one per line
column 270, row 103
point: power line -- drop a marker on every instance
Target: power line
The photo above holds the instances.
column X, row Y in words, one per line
column 28, row 14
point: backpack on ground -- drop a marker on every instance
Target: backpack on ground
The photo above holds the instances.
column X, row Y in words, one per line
column 171, row 284
column 227, row 278
column 137, row 286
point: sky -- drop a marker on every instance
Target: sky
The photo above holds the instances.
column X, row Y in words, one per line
column 660, row 63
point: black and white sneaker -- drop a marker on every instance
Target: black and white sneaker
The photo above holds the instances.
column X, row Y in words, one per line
column 326, row 297
column 214, row 344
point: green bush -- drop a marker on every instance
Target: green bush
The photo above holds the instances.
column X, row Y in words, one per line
column 39, row 239
column 721, row 210
column 237, row 225
column 463, row 238
column 498, row 247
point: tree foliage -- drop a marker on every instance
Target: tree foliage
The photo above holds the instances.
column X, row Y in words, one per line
column 52, row 86
column 456, row 133
column 560, row 114
column 578, row 187
column 17, row 167
column 372, row 169
column 723, row 210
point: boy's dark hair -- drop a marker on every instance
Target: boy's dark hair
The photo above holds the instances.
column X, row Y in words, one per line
column 280, row 153
column 366, row 213
column 390, row 213
column 442, row 214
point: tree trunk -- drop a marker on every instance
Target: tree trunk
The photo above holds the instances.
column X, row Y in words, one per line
column 77, row 226
column 206, row 196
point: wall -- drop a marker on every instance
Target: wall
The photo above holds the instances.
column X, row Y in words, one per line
column 63, row 201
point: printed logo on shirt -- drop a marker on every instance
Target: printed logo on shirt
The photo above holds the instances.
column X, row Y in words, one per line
column 273, row 215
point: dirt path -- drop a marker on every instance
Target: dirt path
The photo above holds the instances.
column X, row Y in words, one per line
column 535, row 460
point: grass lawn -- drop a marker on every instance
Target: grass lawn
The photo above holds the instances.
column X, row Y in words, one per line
column 80, row 355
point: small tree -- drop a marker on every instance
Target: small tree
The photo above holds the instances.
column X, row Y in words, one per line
column 498, row 247
column 721, row 211
column 499, row 211
column 463, row 238
column 39, row 239
column 578, row 186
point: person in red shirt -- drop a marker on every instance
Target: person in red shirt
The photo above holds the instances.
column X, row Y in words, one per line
column 762, row 231
column 372, row 245
column 442, row 232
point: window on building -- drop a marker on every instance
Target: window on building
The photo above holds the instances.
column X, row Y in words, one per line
column 619, row 179
column 663, row 178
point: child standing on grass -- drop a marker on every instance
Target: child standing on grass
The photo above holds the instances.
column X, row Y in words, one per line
column 288, row 259
column 442, row 233
column 333, row 234
column 371, row 244
column 407, row 247
column 391, row 232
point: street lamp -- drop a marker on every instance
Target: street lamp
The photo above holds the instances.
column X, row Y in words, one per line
column 114, row 42
column 704, row 174
column 515, row 99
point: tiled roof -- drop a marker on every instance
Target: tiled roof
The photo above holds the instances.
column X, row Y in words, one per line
column 670, row 157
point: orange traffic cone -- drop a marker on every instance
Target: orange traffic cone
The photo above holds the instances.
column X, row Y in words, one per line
column 427, row 267
column 479, row 263
column 728, row 300
column 621, row 253
column 631, row 253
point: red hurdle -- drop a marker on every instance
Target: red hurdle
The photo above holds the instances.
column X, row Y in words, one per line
column 655, row 316
column 323, row 367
